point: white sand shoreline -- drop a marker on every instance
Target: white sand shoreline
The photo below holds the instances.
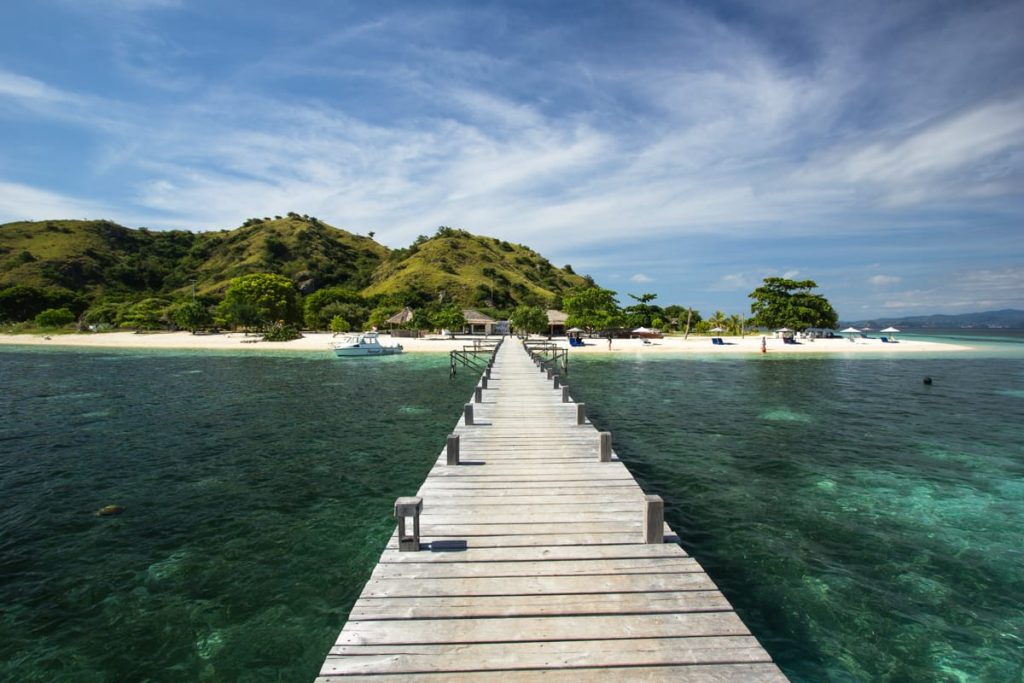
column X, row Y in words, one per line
column 320, row 341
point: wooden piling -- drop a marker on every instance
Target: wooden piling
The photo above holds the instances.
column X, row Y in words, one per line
column 654, row 519
column 452, row 450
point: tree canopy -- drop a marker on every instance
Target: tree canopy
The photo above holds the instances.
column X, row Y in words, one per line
column 529, row 319
column 260, row 300
column 593, row 308
column 789, row 303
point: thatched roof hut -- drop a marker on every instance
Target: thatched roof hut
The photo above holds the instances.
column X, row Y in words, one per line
column 403, row 317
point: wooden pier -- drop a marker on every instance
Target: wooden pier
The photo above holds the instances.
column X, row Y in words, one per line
column 539, row 558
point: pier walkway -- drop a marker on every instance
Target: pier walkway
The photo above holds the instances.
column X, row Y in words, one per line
column 538, row 561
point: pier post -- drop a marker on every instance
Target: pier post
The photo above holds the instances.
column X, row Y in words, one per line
column 483, row 382
column 605, row 446
column 452, row 449
column 406, row 507
column 478, row 394
column 565, row 393
column 581, row 413
column 487, row 373
column 556, row 381
column 551, row 373
column 467, row 412
column 654, row 519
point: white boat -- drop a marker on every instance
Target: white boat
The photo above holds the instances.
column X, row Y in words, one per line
column 363, row 344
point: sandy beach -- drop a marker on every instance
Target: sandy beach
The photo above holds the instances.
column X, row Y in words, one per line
column 320, row 341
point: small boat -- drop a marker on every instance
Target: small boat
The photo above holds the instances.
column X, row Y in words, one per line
column 363, row 344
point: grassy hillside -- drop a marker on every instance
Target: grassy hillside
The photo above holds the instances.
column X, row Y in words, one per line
column 101, row 259
column 474, row 271
column 88, row 265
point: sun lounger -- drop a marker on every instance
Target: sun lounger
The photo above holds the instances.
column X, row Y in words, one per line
column 885, row 340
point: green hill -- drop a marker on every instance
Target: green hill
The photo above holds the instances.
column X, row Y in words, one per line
column 474, row 271
column 85, row 263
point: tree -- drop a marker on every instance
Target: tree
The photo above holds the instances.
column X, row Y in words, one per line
column 789, row 303
column 148, row 314
column 260, row 300
column 339, row 324
column 592, row 308
column 529, row 319
column 55, row 317
column 320, row 307
column 641, row 314
column 449, row 318
column 191, row 315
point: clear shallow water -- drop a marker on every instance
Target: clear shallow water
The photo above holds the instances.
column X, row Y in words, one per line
column 866, row 526
column 258, row 492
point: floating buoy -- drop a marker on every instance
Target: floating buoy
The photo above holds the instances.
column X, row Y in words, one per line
column 108, row 510
column 927, row 380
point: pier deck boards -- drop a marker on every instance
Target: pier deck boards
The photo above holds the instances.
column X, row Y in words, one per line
column 533, row 566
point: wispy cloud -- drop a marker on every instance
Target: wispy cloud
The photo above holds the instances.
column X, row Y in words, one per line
column 641, row 278
column 884, row 280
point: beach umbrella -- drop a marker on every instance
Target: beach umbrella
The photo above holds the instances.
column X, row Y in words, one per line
column 783, row 329
column 643, row 330
column 717, row 329
column 890, row 330
column 850, row 331
column 574, row 329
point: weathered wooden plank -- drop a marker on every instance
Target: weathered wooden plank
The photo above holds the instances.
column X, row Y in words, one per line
column 535, row 553
column 539, row 605
column 370, row 659
column 514, row 629
column 697, row 673
column 662, row 565
column 536, row 585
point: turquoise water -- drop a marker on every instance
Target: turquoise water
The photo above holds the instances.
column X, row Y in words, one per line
column 866, row 526
column 258, row 494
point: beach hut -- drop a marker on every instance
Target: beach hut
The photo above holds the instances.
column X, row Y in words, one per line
column 556, row 322
column 478, row 323
column 403, row 317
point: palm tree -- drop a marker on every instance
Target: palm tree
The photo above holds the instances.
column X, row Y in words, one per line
column 718, row 320
column 734, row 324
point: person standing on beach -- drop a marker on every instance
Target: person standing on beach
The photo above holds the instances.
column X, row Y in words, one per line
column 609, row 341
column 764, row 345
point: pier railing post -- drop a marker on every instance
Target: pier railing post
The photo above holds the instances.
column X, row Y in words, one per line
column 483, row 382
column 581, row 413
column 654, row 519
column 478, row 394
column 556, row 381
column 605, row 446
column 467, row 412
column 406, row 507
column 452, row 449
column 565, row 393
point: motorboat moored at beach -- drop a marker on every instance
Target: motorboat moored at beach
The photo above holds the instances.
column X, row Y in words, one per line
column 363, row 344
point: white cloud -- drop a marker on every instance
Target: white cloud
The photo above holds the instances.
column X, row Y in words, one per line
column 641, row 278
column 23, row 202
column 790, row 274
column 884, row 280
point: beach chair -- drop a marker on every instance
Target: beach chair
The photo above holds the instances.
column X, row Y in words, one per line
column 885, row 340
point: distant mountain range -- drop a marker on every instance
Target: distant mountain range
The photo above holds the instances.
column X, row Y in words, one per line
column 1005, row 319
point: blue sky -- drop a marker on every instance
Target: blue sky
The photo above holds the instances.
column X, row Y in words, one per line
column 684, row 148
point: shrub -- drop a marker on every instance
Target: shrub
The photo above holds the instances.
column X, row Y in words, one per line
column 55, row 317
